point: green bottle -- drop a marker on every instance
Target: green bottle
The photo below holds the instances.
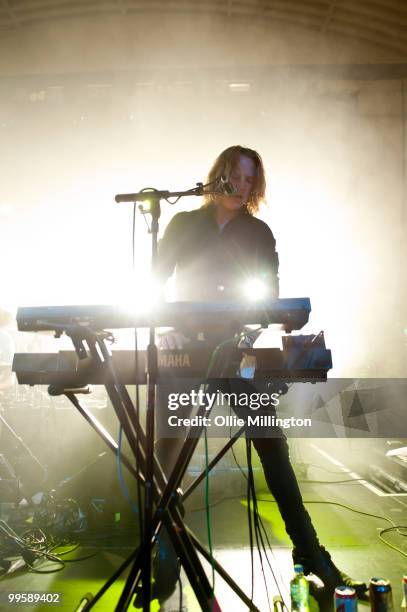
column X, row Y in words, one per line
column 299, row 590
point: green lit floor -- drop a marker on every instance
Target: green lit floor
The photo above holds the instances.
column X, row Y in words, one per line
column 351, row 538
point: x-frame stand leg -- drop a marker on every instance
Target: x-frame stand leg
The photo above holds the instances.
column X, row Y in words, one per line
column 167, row 512
column 135, row 435
column 201, row 549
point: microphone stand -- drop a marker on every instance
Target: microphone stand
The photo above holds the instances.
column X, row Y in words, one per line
column 154, row 198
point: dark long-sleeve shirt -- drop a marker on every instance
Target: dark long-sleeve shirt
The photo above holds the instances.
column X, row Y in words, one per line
column 214, row 264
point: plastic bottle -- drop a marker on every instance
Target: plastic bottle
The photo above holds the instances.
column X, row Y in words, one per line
column 299, row 590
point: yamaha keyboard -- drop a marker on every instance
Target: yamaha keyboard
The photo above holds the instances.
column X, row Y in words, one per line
column 291, row 313
column 293, row 362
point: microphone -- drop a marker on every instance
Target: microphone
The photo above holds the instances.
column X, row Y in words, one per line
column 226, row 185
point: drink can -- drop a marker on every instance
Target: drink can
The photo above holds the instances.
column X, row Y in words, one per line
column 404, row 585
column 345, row 599
column 381, row 599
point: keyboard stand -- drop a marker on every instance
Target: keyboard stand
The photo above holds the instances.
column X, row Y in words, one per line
column 166, row 496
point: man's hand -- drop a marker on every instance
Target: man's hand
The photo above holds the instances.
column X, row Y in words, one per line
column 172, row 340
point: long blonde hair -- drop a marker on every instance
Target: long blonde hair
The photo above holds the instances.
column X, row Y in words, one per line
column 224, row 165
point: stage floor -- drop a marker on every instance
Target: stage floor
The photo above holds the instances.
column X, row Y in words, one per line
column 351, row 537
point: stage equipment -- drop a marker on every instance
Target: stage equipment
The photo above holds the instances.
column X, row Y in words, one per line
column 65, row 368
column 162, row 497
column 291, row 313
column 68, row 370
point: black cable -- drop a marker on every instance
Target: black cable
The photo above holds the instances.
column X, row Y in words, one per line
column 262, row 528
column 65, row 552
column 206, row 383
column 272, row 553
column 319, row 467
column 197, row 190
column 233, row 450
column 333, row 503
column 50, row 571
column 74, row 547
column 250, row 484
column 259, row 520
column 85, row 558
column 34, row 544
column 180, row 594
column 208, row 517
column 249, row 519
column 257, row 531
column 213, row 504
column 332, row 481
column 32, row 553
column 383, row 518
column 311, row 501
column 137, row 417
column 397, row 527
column 174, row 201
column 393, row 528
column 193, row 191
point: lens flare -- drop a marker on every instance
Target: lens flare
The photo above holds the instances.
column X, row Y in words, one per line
column 255, row 289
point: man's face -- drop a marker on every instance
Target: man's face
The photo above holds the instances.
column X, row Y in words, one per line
column 243, row 178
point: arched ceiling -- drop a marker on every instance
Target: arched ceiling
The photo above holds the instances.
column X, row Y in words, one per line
column 379, row 22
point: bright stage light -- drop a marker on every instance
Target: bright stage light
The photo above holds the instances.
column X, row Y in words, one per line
column 144, row 295
column 255, row 289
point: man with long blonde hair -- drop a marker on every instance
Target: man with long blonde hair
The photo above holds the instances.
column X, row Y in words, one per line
column 227, row 164
column 219, row 246
column 213, row 251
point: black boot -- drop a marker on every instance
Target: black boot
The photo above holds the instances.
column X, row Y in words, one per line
column 166, row 568
column 166, row 571
column 319, row 562
column 283, row 485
